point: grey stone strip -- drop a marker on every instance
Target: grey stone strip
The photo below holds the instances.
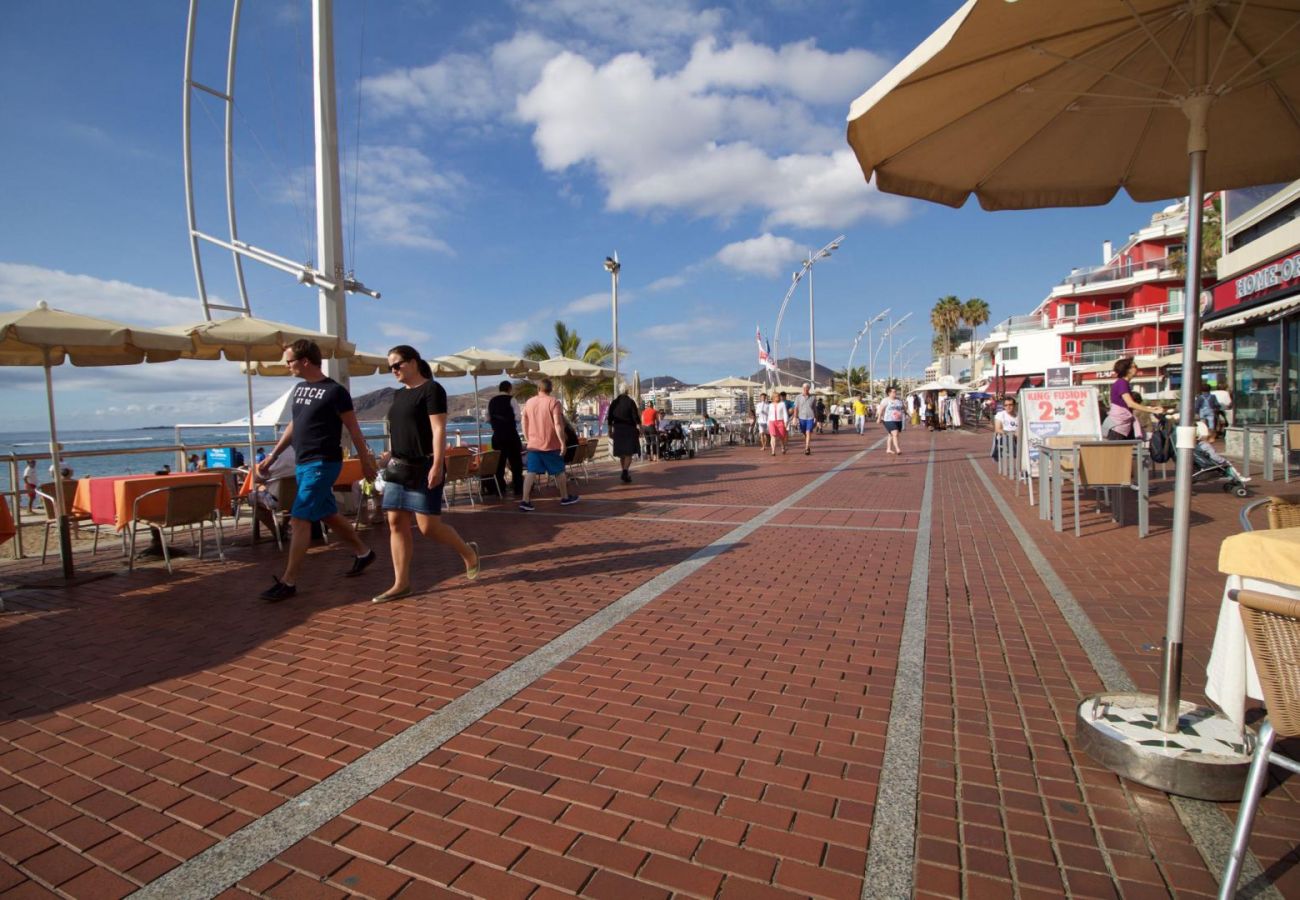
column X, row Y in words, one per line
column 741, row 505
column 1206, row 824
column 891, row 853
column 680, row 521
column 261, row 841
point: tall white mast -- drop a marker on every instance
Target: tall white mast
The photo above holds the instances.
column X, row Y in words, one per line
column 329, row 215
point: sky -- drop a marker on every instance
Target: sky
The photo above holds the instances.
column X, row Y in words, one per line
column 492, row 155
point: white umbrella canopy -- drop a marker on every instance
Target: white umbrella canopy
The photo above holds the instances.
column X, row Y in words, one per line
column 731, row 381
column 47, row 337
column 1029, row 105
column 474, row 362
column 247, row 339
column 360, row 365
column 568, row 367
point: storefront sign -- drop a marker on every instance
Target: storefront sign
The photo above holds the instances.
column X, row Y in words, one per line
column 1053, row 412
column 1058, row 377
column 1272, row 276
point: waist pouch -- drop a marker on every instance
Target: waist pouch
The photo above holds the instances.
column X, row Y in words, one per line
column 409, row 473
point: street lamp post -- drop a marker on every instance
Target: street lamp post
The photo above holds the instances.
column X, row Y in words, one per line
column 805, row 268
column 612, row 266
column 866, row 329
column 897, row 354
column 889, row 334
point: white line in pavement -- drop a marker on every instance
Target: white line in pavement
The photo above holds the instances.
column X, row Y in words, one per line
column 261, row 841
column 891, row 852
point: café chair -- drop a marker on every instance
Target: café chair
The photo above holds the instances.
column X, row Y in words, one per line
column 1290, row 444
column 1273, row 634
column 484, row 471
column 187, row 504
column 458, row 474
column 47, row 494
column 1104, row 464
column 1283, row 512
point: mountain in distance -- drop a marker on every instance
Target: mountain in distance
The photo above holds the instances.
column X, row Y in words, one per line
column 373, row 407
column 661, row 383
column 795, row 371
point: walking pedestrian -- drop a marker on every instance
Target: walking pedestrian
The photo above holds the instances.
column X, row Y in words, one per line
column 322, row 408
column 503, row 414
column 805, row 410
column 820, row 410
column 544, row 435
column 777, row 415
column 29, row 484
column 623, row 419
column 762, row 410
column 836, row 410
column 415, row 469
column 650, row 430
column 890, row 414
column 860, row 415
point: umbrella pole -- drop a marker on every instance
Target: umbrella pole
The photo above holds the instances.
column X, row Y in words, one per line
column 65, row 538
column 248, row 377
column 478, row 417
column 1171, row 667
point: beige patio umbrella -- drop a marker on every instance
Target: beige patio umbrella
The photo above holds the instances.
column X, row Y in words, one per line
column 474, row 362
column 568, row 367
column 248, row 339
column 47, row 337
column 731, row 381
column 360, row 365
column 1040, row 104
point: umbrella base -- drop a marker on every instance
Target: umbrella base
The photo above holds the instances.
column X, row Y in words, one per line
column 1206, row 759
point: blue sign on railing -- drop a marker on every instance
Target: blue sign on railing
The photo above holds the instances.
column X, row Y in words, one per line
column 220, row 458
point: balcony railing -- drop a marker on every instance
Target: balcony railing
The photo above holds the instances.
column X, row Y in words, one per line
column 1170, row 308
column 1093, row 357
column 1099, row 274
column 1019, row 323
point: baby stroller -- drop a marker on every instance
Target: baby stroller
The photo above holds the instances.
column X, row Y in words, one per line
column 672, row 443
column 1209, row 465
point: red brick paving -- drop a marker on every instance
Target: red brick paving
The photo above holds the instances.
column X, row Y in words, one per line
column 724, row 741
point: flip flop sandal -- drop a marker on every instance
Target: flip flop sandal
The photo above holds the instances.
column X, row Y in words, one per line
column 471, row 572
column 391, row 595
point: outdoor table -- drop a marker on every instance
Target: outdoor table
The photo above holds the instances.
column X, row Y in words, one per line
column 110, row 499
column 1269, row 429
column 1049, row 469
column 348, row 475
column 7, row 532
column 1267, row 561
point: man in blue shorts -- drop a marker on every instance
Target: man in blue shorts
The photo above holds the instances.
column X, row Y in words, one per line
column 544, row 435
column 321, row 408
column 805, row 410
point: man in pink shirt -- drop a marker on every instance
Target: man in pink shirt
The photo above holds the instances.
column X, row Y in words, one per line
column 544, row 435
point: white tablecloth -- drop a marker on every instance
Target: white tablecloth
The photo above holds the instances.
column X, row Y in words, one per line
column 1230, row 675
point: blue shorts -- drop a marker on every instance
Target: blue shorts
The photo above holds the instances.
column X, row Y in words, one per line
column 893, row 426
column 315, row 499
column 807, row 425
column 422, row 499
column 545, row 462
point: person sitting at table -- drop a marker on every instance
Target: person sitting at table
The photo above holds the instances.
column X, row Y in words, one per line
column 192, row 464
column 570, row 442
column 165, row 470
column 270, row 483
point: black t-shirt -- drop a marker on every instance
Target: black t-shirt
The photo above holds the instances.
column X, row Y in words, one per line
column 623, row 411
column 408, row 419
column 318, row 407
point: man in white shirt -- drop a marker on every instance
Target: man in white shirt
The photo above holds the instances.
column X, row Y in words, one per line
column 29, row 483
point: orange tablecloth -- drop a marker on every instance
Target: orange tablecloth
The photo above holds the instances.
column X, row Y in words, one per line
column 351, row 472
column 110, row 500
column 6, row 523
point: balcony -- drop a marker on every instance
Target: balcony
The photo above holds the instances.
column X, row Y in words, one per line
column 1107, row 273
column 1146, row 356
column 1017, row 324
column 1101, row 321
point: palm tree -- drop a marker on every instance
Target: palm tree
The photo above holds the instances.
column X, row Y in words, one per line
column 944, row 317
column 571, row 390
column 850, row 377
column 974, row 312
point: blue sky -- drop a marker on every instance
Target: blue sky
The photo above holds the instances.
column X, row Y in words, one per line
column 493, row 154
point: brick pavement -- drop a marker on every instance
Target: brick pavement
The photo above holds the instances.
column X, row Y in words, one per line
column 724, row 740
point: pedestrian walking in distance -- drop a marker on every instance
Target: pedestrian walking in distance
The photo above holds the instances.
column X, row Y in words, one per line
column 322, row 408
column 415, row 469
column 890, row 414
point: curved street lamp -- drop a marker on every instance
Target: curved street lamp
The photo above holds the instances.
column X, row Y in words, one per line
column 888, row 336
column 866, row 329
column 612, row 266
column 804, row 268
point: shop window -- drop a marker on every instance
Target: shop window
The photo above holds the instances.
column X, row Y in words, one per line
column 1292, row 388
column 1069, row 346
column 1009, row 353
column 1257, row 386
column 1067, row 311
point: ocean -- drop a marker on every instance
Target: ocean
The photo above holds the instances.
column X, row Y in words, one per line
column 140, row 451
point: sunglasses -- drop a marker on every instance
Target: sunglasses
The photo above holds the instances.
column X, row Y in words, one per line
column 393, row 367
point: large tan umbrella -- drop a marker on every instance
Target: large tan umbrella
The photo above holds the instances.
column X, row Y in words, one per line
column 474, row 362
column 732, row 381
column 359, row 365
column 1061, row 104
column 568, row 367
column 248, row 339
column 47, row 337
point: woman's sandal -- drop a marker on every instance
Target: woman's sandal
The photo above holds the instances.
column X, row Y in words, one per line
column 471, row 572
column 391, row 595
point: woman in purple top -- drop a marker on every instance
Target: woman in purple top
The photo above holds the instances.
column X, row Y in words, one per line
column 1119, row 420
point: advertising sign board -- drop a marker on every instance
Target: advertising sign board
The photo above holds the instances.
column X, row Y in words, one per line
column 1058, row 377
column 1053, row 412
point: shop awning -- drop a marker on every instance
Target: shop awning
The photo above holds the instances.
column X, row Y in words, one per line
column 1010, row 384
column 1256, row 312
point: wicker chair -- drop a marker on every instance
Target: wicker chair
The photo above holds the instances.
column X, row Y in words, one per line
column 187, row 504
column 1283, row 511
column 1273, row 633
column 1104, row 464
column 458, row 464
column 47, row 494
column 1290, row 444
column 484, row 471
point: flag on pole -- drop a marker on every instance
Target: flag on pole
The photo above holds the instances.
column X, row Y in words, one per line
column 768, row 360
column 762, row 353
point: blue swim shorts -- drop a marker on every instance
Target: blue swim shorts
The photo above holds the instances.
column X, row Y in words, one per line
column 807, row 425
column 893, row 426
column 545, row 462
column 315, row 499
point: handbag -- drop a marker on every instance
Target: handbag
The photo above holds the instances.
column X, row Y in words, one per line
column 409, row 473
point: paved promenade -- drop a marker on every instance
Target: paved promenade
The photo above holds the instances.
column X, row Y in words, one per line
column 841, row 675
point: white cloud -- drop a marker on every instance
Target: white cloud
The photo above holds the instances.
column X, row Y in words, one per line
column 513, row 334
column 766, row 254
column 618, row 23
column 674, row 331
column 590, row 303
column 404, row 333
column 667, row 283
column 399, row 196
column 694, row 142
column 21, row 286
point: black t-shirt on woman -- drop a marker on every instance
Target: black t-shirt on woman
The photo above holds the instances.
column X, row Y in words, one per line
column 408, row 419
